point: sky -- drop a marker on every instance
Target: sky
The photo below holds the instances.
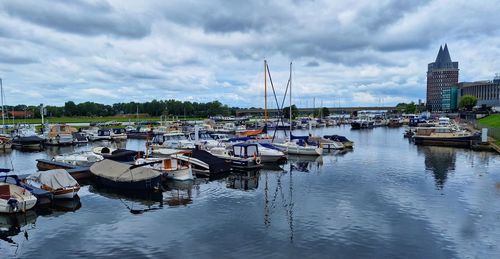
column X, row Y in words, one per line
column 344, row 53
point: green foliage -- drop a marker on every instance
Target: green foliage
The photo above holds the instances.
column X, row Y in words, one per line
column 467, row 101
column 325, row 112
column 492, row 120
column 153, row 108
column 286, row 112
column 408, row 108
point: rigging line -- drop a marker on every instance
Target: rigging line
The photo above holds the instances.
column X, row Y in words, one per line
column 276, row 100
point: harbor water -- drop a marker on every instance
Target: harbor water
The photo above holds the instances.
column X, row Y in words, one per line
column 385, row 198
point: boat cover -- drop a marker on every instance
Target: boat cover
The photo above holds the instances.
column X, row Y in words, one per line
column 55, row 179
column 120, row 172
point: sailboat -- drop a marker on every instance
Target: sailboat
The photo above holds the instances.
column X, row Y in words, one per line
column 297, row 146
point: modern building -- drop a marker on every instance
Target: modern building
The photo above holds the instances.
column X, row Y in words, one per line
column 449, row 101
column 487, row 92
column 442, row 74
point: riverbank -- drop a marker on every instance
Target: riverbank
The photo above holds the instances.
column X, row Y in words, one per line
column 88, row 119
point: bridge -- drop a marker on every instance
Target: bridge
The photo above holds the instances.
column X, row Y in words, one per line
column 333, row 110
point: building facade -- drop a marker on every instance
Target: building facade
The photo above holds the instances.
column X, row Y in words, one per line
column 487, row 92
column 442, row 74
column 449, row 101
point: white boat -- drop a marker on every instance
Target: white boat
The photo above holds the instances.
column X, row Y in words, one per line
column 291, row 147
column 170, row 168
column 241, row 156
column 58, row 181
column 100, row 134
column 86, row 158
column 176, row 140
column 59, row 135
column 25, row 137
column 15, row 199
column 118, row 134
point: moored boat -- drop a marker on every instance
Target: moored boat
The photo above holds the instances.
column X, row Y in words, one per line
column 58, row 181
column 15, row 199
column 241, row 156
column 170, row 168
column 118, row 175
column 59, row 135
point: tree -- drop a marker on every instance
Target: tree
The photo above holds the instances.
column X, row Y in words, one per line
column 467, row 102
column 70, row 108
column 325, row 112
column 286, row 112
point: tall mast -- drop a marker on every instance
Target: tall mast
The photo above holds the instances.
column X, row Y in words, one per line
column 265, row 91
column 3, row 113
column 290, row 101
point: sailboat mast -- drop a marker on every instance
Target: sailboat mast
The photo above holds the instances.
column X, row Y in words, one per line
column 3, row 113
column 265, row 91
column 290, row 101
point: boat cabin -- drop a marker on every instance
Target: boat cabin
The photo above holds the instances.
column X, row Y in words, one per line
column 119, row 131
column 245, row 150
column 103, row 132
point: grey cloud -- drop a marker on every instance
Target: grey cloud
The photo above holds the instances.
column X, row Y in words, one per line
column 312, row 64
column 79, row 17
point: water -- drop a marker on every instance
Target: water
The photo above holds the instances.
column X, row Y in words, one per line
column 386, row 198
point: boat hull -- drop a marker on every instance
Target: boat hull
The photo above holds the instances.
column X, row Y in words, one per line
column 66, row 193
column 443, row 141
column 179, row 175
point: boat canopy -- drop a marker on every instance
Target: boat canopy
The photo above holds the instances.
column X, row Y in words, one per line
column 55, row 179
column 245, row 150
column 336, row 138
column 239, row 139
column 120, row 172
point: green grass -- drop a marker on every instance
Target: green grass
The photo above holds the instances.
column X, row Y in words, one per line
column 491, row 121
column 88, row 119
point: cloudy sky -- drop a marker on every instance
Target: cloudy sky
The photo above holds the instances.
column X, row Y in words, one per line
column 344, row 52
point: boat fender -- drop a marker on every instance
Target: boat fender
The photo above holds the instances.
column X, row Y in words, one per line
column 258, row 160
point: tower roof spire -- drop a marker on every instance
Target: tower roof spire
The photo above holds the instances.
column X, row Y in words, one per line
column 446, row 55
column 440, row 54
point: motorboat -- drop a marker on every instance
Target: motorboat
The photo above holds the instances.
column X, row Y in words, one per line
column 241, row 156
column 394, row 123
column 100, row 134
column 362, row 124
column 346, row 142
column 118, row 134
column 205, row 164
column 15, row 199
column 58, row 181
column 176, row 140
column 267, row 152
column 139, row 132
column 123, row 155
column 299, row 145
column 25, row 137
column 443, row 136
column 203, row 140
column 59, row 135
column 86, row 158
column 118, row 175
column 41, row 195
column 170, row 168
column 80, row 138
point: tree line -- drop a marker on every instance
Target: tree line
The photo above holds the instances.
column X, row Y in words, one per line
column 152, row 108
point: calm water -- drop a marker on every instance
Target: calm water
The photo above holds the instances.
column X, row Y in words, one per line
column 386, row 198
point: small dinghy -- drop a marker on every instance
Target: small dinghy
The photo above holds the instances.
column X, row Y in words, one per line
column 58, row 181
column 14, row 198
column 123, row 176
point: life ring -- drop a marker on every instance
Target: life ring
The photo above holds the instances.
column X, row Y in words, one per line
column 258, row 160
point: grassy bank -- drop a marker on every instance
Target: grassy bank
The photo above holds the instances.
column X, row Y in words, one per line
column 88, row 119
column 491, row 121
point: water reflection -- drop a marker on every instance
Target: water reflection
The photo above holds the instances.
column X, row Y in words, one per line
column 439, row 160
column 12, row 224
column 245, row 181
column 135, row 202
column 305, row 163
column 178, row 193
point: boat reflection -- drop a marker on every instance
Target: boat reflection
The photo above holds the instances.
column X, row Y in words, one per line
column 439, row 160
column 305, row 163
column 245, row 180
column 147, row 201
column 178, row 193
column 13, row 224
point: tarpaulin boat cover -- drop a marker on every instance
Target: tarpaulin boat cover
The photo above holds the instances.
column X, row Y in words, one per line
column 120, row 172
column 55, row 179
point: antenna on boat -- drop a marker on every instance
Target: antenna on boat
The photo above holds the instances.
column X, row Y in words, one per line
column 265, row 91
column 3, row 112
column 290, row 80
